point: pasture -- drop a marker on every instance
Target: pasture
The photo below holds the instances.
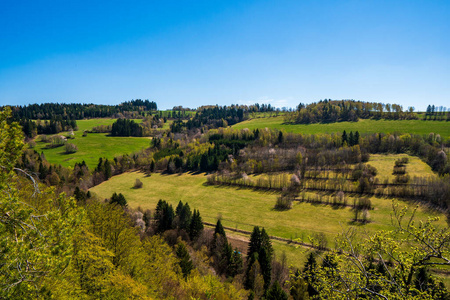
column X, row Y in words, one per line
column 363, row 126
column 93, row 146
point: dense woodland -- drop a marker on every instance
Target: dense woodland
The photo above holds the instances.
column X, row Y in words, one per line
column 76, row 246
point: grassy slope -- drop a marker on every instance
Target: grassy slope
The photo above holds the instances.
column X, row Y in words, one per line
column 363, row 126
column 244, row 208
column 240, row 208
column 94, row 145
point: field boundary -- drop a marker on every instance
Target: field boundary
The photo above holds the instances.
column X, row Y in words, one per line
column 272, row 237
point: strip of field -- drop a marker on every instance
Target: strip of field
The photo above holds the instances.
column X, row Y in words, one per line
column 363, row 126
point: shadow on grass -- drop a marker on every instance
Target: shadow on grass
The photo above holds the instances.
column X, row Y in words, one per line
column 238, row 188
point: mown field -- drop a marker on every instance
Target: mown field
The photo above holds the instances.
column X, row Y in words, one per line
column 244, row 208
column 94, row 145
column 363, row 126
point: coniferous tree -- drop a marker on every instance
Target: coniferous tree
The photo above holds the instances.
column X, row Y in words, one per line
column 108, row 170
column 185, row 259
column 276, row 293
column 164, row 216
column 219, row 230
column 310, row 277
column 344, row 138
column 255, row 241
column 350, row 139
column 356, row 138
column 184, row 214
column 261, row 245
column 196, row 226
column 236, row 265
column 118, row 199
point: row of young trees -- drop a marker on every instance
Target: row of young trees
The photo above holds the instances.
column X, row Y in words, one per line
column 329, row 111
column 436, row 113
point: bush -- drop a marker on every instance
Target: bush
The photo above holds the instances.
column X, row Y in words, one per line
column 55, row 141
column 44, row 138
column 70, row 148
column 284, row 202
column 138, row 184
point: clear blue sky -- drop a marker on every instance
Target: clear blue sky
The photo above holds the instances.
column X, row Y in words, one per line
column 193, row 53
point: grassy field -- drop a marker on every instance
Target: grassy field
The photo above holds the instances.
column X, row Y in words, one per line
column 385, row 166
column 245, row 208
column 93, row 146
column 363, row 126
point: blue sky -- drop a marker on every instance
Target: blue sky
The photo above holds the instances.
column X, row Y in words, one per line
column 193, row 53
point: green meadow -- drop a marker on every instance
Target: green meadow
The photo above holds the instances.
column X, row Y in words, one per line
column 93, row 146
column 363, row 126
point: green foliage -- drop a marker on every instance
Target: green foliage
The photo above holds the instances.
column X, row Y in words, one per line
column 185, row 259
column 260, row 248
column 35, row 226
column 52, row 249
column 118, row 199
column 184, row 215
column 196, row 227
column 276, row 292
column 164, row 216
column 218, row 230
column 70, row 148
column 348, row 271
column 125, row 127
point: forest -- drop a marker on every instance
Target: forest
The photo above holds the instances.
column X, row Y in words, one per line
column 61, row 241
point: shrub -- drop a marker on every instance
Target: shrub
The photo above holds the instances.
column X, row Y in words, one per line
column 44, row 138
column 70, row 148
column 138, row 184
column 56, row 141
column 284, row 202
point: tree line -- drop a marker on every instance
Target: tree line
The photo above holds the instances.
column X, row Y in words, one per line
column 330, row 111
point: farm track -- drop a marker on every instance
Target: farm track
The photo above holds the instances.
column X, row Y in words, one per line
column 277, row 238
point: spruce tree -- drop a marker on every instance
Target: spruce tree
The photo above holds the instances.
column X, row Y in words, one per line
column 164, row 216
column 184, row 215
column 255, row 241
column 276, row 293
column 356, row 138
column 185, row 259
column 118, row 199
column 344, row 138
column 196, row 226
column 219, row 230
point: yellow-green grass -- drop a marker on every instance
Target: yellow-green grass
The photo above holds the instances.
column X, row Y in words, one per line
column 245, row 208
column 385, row 166
column 363, row 126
